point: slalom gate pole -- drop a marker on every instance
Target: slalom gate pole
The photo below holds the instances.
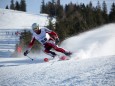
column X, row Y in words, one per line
column 30, row 57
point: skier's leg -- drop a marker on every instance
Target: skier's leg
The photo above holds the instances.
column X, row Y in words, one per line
column 51, row 53
column 48, row 51
column 55, row 47
column 67, row 53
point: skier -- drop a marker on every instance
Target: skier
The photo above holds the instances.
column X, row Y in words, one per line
column 43, row 36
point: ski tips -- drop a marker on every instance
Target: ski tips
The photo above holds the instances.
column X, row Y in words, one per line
column 46, row 59
column 63, row 58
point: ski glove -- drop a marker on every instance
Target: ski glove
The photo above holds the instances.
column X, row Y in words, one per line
column 57, row 41
column 26, row 52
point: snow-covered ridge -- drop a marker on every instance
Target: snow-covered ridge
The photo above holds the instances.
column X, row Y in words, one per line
column 10, row 19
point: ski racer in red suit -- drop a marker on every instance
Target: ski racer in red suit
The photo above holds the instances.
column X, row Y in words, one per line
column 43, row 36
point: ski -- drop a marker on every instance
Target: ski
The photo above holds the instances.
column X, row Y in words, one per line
column 59, row 58
column 63, row 57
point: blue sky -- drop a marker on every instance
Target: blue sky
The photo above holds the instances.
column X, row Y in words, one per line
column 33, row 6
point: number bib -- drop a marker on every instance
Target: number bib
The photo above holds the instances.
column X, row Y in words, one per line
column 44, row 40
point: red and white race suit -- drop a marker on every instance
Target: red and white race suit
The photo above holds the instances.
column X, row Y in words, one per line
column 46, row 40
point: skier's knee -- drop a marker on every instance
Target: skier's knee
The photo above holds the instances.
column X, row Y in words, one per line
column 46, row 51
column 56, row 48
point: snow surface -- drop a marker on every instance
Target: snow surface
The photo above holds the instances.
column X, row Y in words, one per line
column 93, row 62
column 10, row 19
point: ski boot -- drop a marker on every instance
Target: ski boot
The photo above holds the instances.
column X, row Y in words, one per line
column 68, row 53
column 53, row 54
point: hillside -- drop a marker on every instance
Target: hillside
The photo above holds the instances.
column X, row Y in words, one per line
column 11, row 19
column 92, row 64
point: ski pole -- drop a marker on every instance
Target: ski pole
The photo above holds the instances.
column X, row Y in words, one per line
column 30, row 57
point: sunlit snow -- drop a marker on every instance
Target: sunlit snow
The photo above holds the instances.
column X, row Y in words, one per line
column 92, row 64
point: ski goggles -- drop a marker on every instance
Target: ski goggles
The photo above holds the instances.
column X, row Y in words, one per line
column 37, row 28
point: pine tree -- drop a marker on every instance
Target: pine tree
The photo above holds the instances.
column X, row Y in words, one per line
column 7, row 7
column 104, row 12
column 104, row 6
column 112, row 13
column 23, row 5
column 17, row 6
column 58, row 2
column 53, row 1
column 89, row 16
column 43, row 10
column 51, row 9
column 12, row 5
column 99, row 14
column 59, row 11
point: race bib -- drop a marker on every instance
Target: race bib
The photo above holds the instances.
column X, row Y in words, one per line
column 44, row 40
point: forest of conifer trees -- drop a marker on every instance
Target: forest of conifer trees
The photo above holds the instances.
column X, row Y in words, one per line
column 76, row 18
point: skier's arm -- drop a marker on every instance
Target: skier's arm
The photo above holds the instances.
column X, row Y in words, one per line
column 31, row 43
column 55, row 37
column 51, row 33
column 29, row 46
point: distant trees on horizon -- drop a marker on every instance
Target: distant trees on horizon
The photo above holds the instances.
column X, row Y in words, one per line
column 17, row 6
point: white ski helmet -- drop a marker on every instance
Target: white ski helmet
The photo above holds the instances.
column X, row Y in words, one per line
column 35, row 26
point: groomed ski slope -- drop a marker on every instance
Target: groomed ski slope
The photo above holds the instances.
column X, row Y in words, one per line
column 93, row 63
